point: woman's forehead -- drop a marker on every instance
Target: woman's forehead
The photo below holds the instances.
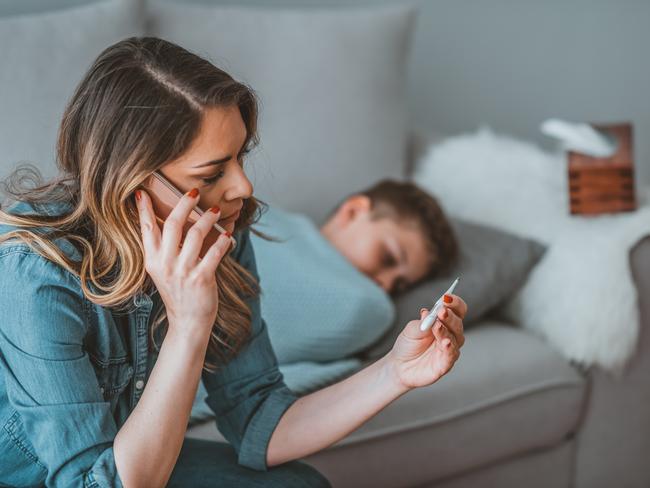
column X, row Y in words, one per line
column 222, row 134
column 221, row 128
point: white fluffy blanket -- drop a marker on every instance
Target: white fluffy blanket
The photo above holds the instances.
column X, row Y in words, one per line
column 580, row 297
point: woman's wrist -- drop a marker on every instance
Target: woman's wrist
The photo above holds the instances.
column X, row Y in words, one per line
column 192, row 339
column 391, row 375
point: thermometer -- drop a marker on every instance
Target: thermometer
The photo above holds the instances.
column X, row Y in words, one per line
column 428, row 321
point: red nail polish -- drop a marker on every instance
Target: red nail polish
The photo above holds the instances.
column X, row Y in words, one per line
column 448, row 299
column 193, row 192
column 138, row 195
column 228, row 234
column 214, row 209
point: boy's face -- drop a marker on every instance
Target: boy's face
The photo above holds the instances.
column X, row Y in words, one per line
column 391, row 254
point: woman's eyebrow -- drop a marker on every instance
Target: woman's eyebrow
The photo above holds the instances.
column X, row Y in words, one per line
column 218, row 161
column 214, row 162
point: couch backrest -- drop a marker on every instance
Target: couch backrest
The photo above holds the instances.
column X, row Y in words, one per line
column 43, row 57
column 331, row 84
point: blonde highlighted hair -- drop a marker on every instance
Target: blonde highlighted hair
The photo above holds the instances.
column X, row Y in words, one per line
column 138, row 107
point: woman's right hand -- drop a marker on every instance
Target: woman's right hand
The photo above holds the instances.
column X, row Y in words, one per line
column 187, row 284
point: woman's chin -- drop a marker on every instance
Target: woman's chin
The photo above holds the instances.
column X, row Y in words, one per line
column 229, row 226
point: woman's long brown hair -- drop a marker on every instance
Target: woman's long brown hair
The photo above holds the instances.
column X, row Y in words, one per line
column 139, row 106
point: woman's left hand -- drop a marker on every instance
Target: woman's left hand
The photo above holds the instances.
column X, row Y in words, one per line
column 422, row 358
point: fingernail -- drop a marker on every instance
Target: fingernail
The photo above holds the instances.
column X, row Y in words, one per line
column 448, row 299
column 228, row 234
column 214, row 209
column 193, row 192
column 138, row 195
column 422, row 310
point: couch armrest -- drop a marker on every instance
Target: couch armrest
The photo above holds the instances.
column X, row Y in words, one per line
column 613, row 443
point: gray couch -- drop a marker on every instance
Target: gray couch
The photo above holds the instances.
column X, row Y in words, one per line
column 512, row 412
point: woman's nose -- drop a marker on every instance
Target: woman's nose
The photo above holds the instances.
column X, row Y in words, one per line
column 240, row 187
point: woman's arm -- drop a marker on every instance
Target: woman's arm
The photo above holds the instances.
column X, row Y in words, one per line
column 330, row 414
column 147, row 446
column 149, row 442
column 418, row 358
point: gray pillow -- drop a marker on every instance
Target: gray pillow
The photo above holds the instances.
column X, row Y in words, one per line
column 492, row 265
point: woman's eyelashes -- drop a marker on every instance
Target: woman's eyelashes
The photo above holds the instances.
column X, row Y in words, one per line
column 212, row 179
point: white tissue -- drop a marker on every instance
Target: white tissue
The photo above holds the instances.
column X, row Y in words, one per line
column 582, row 138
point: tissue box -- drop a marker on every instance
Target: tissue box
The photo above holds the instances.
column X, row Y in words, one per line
column 603, row 185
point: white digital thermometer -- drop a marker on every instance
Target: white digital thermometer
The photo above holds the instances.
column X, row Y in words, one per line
column 431, row 317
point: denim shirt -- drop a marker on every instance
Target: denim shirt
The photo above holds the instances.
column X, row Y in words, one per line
column 72, row 371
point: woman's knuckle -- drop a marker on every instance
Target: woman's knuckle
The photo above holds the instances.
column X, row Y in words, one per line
column 412, row 323
column 195, row 232
column 167, row 271
column 172, row 223
column 200, row 279
column 184, row 272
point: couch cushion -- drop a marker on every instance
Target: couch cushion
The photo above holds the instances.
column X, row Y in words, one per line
column 332, row 88
column 508, row 393
column 43, row 58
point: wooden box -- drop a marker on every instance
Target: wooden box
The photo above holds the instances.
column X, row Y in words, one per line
column 603, row 185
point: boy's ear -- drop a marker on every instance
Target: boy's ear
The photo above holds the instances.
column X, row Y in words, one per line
column 355, row 205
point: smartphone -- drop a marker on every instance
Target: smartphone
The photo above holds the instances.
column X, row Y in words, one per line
column 164, row 197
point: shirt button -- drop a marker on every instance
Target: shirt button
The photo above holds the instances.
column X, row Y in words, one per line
column 102, row 390
column 139, row 384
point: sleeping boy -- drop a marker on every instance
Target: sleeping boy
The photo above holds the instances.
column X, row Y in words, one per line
column 327, row 292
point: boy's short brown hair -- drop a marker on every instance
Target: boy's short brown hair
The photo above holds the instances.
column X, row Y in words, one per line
column 407, row 204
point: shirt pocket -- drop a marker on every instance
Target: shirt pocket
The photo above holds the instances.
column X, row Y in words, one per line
column 113, row 376
column 20, row 465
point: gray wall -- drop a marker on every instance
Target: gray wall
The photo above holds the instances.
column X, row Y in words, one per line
column 512, row 63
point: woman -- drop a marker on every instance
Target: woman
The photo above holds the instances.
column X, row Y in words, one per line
column 96, row 389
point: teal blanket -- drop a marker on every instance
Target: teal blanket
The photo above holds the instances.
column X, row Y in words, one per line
column 319, row 309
